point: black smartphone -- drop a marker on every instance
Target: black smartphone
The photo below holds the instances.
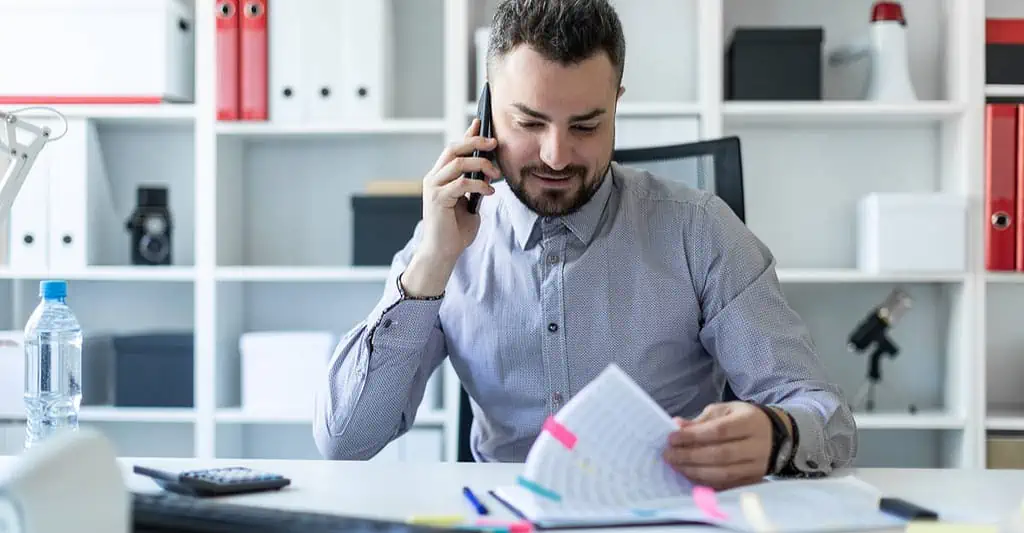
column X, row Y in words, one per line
column 483, row 112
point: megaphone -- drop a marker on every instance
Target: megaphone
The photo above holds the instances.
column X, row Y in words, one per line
column 886, row 47
column 69, row 482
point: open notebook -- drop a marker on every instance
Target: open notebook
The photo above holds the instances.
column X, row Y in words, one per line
column 598, row 462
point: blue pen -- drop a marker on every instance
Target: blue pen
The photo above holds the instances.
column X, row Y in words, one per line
column 480, row 509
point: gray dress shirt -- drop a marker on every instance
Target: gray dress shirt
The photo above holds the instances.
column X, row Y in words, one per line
column 660, row 278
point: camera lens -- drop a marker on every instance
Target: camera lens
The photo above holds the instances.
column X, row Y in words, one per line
column 154, row 248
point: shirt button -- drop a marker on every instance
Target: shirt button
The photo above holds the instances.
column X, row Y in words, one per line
column 556, row 398
column 386, row 323
column 552, row 327
column 812, row 463
column 553, row 258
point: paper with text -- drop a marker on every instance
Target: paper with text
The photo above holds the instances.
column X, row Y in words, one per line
column 599, row 461
column 577, row 458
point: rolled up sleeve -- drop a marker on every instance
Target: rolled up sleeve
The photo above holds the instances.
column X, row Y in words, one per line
column 762, row 345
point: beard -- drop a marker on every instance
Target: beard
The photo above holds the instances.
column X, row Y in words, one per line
column 557, row 202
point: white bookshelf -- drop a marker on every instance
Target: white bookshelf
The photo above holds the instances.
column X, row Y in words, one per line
column 254, row 130
column 265, row 217
column 1004, row 91
column 116, row 114
column 855, row 275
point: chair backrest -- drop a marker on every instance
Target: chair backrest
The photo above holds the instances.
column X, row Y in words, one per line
column 714, row 164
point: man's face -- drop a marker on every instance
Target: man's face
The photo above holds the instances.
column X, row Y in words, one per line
column 555, row 127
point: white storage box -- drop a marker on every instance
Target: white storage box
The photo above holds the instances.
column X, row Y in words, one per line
column 12, row 374
column 97, row 51
column 920, row 232
column 281, row 370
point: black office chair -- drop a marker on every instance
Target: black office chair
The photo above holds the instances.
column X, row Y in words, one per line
column 715, row 165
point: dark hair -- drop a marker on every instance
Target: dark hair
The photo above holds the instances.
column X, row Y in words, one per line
column 565, row 31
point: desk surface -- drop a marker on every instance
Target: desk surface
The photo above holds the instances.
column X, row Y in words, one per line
column 397, row 491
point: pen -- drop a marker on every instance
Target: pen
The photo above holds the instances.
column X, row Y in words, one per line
column 480, row 509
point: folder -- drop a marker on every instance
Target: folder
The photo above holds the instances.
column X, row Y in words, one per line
column 289, row 86
column 81, row 208
column 348, row 54
column 598, row 462
column 253, row 61
column 1019, row 191
column 1001, row 130
column 227, row 40
column 326, row 60
column 367, row 34
column 30, row 212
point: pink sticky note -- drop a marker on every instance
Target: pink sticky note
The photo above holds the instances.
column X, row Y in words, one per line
column 516, row 526
column 705, row 498
column 560, row 432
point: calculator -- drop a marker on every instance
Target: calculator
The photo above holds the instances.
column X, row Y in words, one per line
column 220, row 481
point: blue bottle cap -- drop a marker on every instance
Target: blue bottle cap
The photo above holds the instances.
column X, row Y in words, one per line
column 53, row 289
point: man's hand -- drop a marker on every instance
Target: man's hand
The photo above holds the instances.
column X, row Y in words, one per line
column 728, row 445
column 448, row 226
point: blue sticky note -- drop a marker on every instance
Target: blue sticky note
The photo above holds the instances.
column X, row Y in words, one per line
column 539, row 490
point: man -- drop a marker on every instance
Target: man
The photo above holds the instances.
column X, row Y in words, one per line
column 573, row 263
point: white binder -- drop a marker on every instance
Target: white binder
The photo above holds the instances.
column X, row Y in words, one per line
column 27, row 230
column 367, row 33
column 287, row 47
column 325, row 60
column 81, row 207
column 335, row 56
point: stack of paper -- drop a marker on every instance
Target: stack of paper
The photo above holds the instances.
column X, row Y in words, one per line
column 599, row 461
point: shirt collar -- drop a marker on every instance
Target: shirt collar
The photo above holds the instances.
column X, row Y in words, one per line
column 583, row 223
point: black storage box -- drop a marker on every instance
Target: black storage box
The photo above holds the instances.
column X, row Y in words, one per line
column 154, row 370
column 774, row 64
column 382, row 225
column 1004, row 51
column 98, row 369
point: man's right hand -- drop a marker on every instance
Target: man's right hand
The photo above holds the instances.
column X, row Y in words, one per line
column 448, row 226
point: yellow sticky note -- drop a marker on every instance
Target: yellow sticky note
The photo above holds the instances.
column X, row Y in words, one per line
column 926, row 526
column 437, row 520
column 753, row 511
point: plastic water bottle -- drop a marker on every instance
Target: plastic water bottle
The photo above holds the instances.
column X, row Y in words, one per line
column 53, row 365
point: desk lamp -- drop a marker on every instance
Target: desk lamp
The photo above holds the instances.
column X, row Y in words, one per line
column 873, row 332
column 21, row 155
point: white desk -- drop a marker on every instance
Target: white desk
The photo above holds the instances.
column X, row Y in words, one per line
column 397, row 491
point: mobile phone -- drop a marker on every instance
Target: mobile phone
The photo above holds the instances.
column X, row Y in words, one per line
column 483, row 112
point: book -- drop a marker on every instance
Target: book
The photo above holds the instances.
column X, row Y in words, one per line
column 599, row 462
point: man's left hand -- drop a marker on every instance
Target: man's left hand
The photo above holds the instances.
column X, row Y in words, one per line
column 728, row 445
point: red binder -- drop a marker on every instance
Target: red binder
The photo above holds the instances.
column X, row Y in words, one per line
column 1001, row 163
column 227, row 59
column 253, row 88
column 1019, row 190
